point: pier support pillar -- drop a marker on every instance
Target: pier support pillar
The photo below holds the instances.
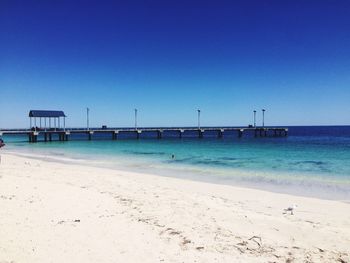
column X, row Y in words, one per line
column 50, row 137
column 45, row 137
column 221, row 133
column 200, row 133
column 33, row 137
column 180, row 133
column 138, row 132
column 240, row 133
column 265, row 133
column 90, row 135
column 115, row 135
column 159, row 134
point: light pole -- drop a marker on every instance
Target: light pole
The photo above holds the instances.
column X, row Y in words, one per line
column 254, row 118
column 263, row 120
column 87, row 118
column 135, row 119
column 199, row 119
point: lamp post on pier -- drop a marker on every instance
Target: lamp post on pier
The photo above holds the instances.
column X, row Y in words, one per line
column 199, row 118
column 254, row 118
column 87, row 118
column 135, row 119
column 263, row 115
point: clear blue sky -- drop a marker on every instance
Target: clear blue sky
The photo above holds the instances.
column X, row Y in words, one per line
column 168, row 58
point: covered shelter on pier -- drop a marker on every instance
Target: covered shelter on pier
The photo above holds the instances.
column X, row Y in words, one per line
column 46, row 120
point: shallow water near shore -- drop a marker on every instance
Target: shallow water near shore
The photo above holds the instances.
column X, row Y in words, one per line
column 311, row 161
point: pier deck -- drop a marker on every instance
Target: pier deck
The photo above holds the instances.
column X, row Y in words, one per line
column 64, row 134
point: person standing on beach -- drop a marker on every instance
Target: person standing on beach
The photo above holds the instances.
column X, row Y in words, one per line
column 2, row 144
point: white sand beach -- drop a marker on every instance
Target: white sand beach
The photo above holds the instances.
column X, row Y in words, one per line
column 56, row 212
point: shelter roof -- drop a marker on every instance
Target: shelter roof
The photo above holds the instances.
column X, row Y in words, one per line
column 46, row 113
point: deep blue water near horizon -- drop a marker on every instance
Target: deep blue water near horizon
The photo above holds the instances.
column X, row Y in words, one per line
column 311, row 161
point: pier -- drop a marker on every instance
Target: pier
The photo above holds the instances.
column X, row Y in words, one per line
column 56, row 134
column 45, row 126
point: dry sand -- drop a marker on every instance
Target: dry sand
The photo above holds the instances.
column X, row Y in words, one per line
column 54, row 212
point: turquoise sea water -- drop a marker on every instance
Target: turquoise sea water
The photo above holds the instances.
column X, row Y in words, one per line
column 312, row 161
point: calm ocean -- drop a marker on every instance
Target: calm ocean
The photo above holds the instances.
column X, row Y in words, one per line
column 311, row 161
